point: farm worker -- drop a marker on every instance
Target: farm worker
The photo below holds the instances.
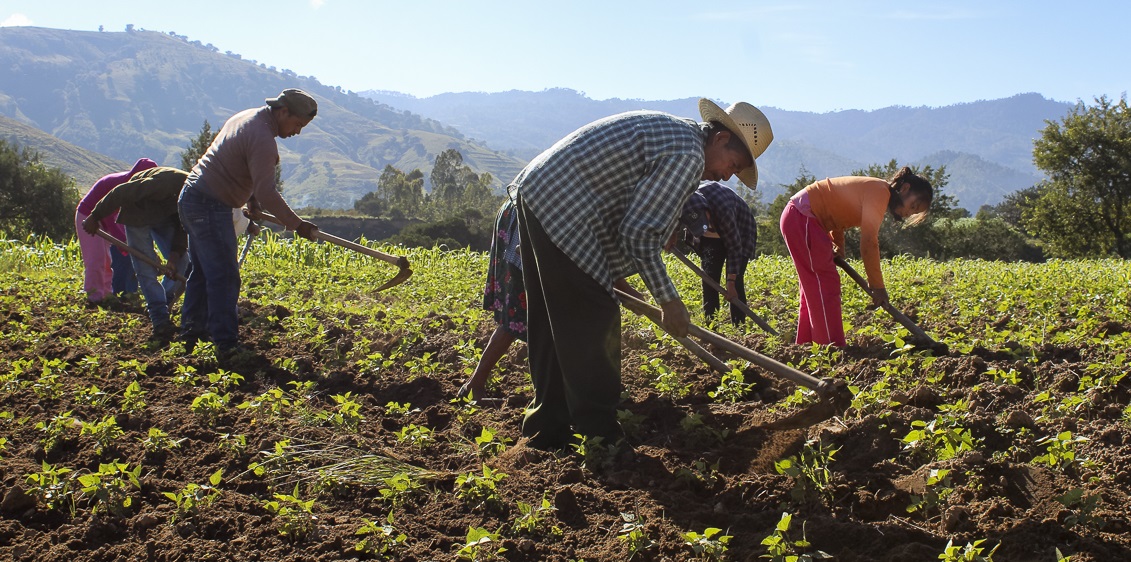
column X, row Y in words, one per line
column 598, row 206
column 504, row 295
column 147, row 206
column 813, row 225
column 730, row 239
column 98, row 274
column 237, row 169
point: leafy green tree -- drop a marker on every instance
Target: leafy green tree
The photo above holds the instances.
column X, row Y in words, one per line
column 1084, row 209
column 34, row 199
column 198, row 146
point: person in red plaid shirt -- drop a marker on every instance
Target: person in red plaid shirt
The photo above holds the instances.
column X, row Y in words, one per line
column 731, row 238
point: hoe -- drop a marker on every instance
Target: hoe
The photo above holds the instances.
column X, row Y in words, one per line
column 399, row 261
column 833, row 395
column 922, row 340
column 719, row 288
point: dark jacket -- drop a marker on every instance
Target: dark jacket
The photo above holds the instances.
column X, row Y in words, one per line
column 149, row 198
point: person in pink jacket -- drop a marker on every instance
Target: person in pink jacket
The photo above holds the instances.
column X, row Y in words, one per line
column 97, row 273
column 813, row 225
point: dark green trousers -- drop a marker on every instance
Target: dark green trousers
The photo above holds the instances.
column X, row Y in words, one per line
column 573, row 328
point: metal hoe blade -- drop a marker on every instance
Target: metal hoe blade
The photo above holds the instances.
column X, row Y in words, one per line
column 399, row 261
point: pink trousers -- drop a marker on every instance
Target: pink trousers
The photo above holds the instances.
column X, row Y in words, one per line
column 819, row 316
column 97, row 278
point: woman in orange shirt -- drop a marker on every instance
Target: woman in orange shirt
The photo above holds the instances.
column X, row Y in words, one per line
column 813, row 225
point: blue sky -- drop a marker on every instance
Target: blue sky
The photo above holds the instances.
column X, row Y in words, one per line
column 806, row 55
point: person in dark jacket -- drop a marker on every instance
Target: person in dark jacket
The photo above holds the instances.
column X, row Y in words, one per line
column 146, row 206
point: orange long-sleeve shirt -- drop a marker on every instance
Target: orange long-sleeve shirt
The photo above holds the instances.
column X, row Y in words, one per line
column 851, row 201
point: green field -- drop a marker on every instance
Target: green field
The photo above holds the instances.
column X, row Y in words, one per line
column 346, row 432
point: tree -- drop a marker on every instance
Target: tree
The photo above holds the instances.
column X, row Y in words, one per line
column 34, row 199
column 197, row 147
column 1084, row 209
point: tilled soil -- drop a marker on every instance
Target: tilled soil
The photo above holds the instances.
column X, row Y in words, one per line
column 682, row 478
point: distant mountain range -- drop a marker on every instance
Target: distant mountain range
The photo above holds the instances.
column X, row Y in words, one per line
column 140, row 93
column 985, row 145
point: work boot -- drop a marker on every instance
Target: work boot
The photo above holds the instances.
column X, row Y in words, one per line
column 164, row 332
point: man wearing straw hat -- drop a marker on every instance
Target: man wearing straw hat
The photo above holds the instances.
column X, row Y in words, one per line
column 596, row 207
column 237, row 169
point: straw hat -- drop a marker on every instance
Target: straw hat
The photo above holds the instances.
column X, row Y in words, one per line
column 749, row 123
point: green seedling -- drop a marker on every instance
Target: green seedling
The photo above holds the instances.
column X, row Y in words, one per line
column 634, row 534
column 480, row 545
column 491, row 444
column 972, row 552
column 296, row 519
column 192, row 497
column 480, row 491
column 380, row 540
column 533, row 519
column 108, row 489
column 809, row 470
column 711, row 545
column 49, row 487
column 157, row 440
column 779, row 547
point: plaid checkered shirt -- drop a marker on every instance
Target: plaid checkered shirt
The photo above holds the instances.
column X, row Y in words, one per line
column 608, row 195
column 731, row 218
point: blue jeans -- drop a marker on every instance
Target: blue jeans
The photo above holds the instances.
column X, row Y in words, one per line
column 214, row 283
column 157, row 295
column 124, row 280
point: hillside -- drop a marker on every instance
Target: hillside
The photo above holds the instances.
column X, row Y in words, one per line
column 141, row 93
column 971, row 139
column 85, row 166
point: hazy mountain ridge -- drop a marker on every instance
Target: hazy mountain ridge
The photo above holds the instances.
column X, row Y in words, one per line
column 85, row 166
column 972, row 139
column 141, row 93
